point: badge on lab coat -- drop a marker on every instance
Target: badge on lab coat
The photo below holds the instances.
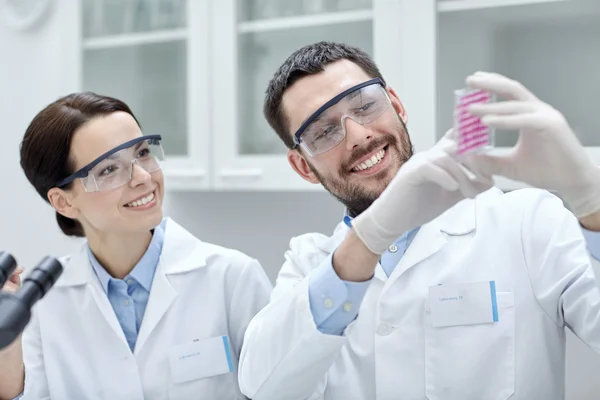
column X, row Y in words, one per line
column 201, row 359
column 463, row 304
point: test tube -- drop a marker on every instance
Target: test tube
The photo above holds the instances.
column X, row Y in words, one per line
column 470, row 134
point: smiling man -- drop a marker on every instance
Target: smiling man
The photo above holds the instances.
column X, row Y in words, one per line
column 359, row 315
column 355, row 173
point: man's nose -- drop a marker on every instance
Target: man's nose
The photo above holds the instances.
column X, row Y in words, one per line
column 356, row 134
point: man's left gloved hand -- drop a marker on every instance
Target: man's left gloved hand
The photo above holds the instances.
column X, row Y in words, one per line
column 547, row 155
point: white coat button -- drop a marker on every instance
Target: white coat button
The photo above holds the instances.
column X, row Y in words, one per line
column 129, row 281
column 328, row 303
column 347, row 306
column 384, row 328
column 393, row 248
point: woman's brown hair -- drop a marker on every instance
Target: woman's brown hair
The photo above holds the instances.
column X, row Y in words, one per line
column 45, row 149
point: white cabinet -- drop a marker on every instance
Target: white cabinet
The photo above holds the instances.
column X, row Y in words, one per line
column 254, row 38
column 196, row 71
column 152, row 55
column 551, row 46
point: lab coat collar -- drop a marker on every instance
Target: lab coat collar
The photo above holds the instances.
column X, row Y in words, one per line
column 143, row 272
column 77, row 269
column 456, row 221
column 181, row 252
column 459, row 220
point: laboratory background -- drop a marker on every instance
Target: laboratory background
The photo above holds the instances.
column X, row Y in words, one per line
column 195, row 72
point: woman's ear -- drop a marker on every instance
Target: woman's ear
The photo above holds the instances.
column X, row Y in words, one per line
column 61, row 201
column 397, row 104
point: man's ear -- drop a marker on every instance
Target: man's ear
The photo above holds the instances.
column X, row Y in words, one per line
column 397, row 104
column 300, row 165
column 61, row 201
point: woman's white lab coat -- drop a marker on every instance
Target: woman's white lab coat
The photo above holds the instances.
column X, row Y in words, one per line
column 525, row 241
column 202, row 297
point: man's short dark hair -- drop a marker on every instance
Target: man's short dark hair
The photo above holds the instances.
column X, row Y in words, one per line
column 308, row 60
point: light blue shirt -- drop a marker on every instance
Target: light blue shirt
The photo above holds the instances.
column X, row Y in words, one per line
column 129, row 296
column 331, row 317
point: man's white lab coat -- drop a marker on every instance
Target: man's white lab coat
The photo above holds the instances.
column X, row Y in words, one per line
column 525, row 241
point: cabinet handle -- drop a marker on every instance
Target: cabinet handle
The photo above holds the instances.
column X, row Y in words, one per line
column 241, row 173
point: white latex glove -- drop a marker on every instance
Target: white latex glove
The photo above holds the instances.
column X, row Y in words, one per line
column 428, row 184
column 547, row 155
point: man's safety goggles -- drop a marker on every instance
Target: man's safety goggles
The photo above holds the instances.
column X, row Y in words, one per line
column 115, row 167
column 326, row 127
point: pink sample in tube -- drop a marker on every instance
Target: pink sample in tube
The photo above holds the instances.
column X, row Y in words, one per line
column 471, row 135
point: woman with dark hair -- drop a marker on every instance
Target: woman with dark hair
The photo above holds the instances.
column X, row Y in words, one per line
column 143, row 310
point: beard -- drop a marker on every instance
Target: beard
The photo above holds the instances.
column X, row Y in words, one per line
column 353, row 195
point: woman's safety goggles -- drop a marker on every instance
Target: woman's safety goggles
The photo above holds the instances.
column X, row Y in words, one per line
column 115, row 167
column 326, row 127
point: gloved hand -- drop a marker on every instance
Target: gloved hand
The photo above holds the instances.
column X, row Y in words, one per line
column 547, row 155
column 428, row 184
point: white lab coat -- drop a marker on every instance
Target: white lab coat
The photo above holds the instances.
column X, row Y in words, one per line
column 525, row 241
column 74, row 347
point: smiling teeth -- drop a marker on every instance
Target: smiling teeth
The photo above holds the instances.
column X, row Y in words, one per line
column 143, row 201
column 374, row 160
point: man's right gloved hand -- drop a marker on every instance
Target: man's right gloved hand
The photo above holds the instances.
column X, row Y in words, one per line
column 428, row 184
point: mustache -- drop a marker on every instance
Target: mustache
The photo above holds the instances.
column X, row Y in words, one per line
column 387, row 139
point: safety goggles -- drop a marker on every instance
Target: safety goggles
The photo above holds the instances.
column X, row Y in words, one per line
column 326, row 127
column 115, row 167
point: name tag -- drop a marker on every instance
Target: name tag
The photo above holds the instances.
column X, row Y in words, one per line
column 463, row 304
column 201, row 359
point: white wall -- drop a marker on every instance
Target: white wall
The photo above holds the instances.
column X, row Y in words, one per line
column 31, row 67
column 35, row 69
column 259, row 224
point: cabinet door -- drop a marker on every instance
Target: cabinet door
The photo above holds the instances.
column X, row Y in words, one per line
column 551, row 46
column 151, row 54
column 251, row 38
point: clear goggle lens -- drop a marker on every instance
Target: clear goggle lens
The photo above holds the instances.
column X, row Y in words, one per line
column 117, row 168
column 326, row 128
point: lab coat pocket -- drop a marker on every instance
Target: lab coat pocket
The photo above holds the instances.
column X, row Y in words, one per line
column 472, row 362
column 200, row 359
